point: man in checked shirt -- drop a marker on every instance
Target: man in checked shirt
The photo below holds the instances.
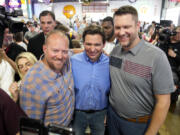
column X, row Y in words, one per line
column 47, row 90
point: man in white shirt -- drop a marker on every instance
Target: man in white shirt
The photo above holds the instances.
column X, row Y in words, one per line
column 108, row 27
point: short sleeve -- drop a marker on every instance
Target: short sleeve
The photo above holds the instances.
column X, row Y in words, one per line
column 162, row 75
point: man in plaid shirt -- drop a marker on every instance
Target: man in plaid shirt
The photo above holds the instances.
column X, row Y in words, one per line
column 47, row 91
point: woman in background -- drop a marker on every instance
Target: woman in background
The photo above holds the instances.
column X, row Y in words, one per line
column 24, row 62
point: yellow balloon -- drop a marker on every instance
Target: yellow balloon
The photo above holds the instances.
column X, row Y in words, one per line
column 69, row 11
column 22, row 1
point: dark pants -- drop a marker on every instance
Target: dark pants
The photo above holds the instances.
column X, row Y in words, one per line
column 120, row 126
column 95, row 121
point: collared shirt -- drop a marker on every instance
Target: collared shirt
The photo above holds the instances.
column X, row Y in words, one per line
column 92, row 81
column 47, row 95
column 137, row 75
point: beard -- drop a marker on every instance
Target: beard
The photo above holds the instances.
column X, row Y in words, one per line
column 129, row 43
column 56, row 68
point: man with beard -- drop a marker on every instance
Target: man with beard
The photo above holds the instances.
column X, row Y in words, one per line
column 47, row 91
column 141, row 80
column 108, row 27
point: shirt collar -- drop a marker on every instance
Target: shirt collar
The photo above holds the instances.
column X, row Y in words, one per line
column 89, row 60
column 136, row 48
column 49, row 73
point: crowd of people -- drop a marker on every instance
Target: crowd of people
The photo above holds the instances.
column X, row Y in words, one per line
column 116, row 79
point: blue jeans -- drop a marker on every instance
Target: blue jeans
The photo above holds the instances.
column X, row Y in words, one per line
column 95, row 121
column 120, row 126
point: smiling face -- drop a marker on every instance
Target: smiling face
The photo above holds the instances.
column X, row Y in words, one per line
column 93, row 45
column 126, row 30
column 56, row 52
column 24, row 65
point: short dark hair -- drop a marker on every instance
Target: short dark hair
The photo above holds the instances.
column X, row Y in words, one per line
column 127, row 10
column 62, row 28
column 108, row 19
column 18, row 37
column 45, row 13
column 92, row 30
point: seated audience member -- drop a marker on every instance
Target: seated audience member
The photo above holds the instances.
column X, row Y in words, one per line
column 10, row 114
column 6, row 73
column 24, row 62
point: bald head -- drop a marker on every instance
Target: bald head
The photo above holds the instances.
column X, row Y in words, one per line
column 56, row 33
column 56, row 50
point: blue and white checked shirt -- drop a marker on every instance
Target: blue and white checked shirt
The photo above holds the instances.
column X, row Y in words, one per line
column 92, row 81
column 47, row 95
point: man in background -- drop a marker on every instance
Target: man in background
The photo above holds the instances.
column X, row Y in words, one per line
column 108, row 26
column 47, row 23
column 30, row 34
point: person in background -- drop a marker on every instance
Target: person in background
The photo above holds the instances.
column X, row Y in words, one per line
column 108, row 26
column 92, row 82
column 64, row 29
column 47, row 23
column 10, row 114
column 148, row 36
column 173, row 54
column 7, row 38
column 16, row 47
column 141, row 80
column 30, row 34
column 24, row 61
column 47, row 91
column 18, row 39
column 6, row 73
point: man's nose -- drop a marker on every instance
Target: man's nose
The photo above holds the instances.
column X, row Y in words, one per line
column 92, row 48
column 59, row 56
column 45, row 25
